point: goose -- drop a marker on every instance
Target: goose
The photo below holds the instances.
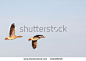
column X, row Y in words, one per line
column 12, row 33
column 34, row 40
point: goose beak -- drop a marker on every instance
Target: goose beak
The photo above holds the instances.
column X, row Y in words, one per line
column 43, row 36
column 20, row 36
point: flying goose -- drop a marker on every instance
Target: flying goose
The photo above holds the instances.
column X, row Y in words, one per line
column 12, row 33
column 34, row 40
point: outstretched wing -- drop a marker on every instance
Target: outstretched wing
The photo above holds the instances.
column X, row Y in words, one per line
column 38, row 35
column 12, row 30
column 34, row 44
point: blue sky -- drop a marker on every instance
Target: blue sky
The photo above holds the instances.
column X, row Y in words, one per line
column 71, row 13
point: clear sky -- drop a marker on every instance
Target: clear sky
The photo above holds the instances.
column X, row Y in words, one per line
column 71, row 13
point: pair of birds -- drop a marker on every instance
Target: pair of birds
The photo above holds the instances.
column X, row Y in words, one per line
column 13, row 36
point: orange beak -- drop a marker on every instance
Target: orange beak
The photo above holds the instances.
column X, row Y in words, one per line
column 44, row 36
column 20, row 36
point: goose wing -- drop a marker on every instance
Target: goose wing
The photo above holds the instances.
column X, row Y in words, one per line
column 34, row 44
column 12, row 30
column 38, row 35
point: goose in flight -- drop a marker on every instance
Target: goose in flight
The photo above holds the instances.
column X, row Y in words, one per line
column 34, row 40
column 12, row 33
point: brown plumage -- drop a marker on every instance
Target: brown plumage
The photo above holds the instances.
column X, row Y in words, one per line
column 12, row 30
column 12, row 33
column 34, row 44
column 34, row 40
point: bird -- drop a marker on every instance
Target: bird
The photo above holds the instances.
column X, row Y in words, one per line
column 12, row 33
column 34, row 40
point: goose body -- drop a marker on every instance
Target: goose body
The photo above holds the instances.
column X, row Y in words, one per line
column 12, row 33
column 34, row 40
